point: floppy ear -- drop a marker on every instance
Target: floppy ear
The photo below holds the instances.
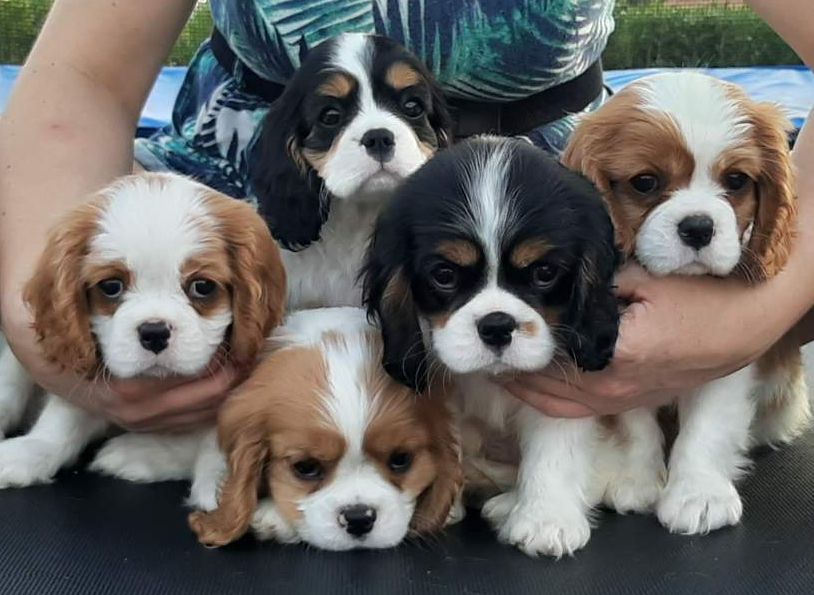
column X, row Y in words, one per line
column 288, row 190
column 389, row 299
column 258, row 277
column 774, row 226
column 57, row 294
column 243, row 438
column 439, row 117
column 434, row 504
column 593, row 314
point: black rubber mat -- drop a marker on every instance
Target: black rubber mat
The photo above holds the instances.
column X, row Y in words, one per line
column 86, row 534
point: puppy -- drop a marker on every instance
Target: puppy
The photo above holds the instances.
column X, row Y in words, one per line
column 698, row 180
column 359, row 115
column 349, row 457
column 494, row 259
column 156, row 276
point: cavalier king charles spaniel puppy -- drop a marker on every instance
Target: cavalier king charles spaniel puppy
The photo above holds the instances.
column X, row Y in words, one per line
column 494, row 259
column 156, row 276
column 359, row 115
column 345, row 456
column 699, row 181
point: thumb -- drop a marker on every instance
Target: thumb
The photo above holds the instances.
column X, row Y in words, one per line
column 629, row 281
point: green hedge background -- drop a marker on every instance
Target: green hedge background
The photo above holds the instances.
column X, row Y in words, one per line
column 648, row 33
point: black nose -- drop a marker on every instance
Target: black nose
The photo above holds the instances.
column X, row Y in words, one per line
column 379, row 143
column 696, row 230
column 495, row 329
column 154, row 336
column 358, row 519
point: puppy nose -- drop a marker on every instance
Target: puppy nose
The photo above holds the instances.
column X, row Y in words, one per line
column 154, row 335
column 358, row 519
column 379, row 143
column 696, row 231
column 495, row 329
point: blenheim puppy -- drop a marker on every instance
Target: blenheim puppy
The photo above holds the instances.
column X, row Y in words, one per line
column 698, row 180
column 156, row 276
column 359, row 115
column 493, row 259
column 348, row 458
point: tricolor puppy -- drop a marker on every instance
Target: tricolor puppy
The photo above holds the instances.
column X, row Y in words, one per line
column 698, row 179
column 348, row 457
column 156, row 276
column 359, row 116
column 492, row 259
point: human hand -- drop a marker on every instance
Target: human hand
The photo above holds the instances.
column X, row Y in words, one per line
column 138, row 404
column 677, row 334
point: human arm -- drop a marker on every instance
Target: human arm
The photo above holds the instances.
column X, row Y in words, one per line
column 68, row 131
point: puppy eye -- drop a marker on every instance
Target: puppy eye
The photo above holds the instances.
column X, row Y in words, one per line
column 543, row 275
column 308, row 470
column 413, row 108
column 200, row 289
column 444, row 277
column 400, row 461
column 645, row 183
column 111, row 288
column 735, row 181
column 330, row 117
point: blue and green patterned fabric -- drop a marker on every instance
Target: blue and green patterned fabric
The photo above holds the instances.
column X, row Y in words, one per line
column 482, row 50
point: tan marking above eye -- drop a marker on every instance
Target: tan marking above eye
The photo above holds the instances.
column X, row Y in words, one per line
column 401, row 75
column 528, row 252
column 338, row 85
column 461, row 252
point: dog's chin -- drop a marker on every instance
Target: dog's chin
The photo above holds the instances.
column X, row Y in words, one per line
column 381, row 182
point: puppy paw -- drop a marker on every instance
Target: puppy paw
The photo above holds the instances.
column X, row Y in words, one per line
column 698, row 506
column 267, row 524
column 28, row 461
column 538, row 530
column 139, row 457
column 637, row 491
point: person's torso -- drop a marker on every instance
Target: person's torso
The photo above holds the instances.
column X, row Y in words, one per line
column 492, row 50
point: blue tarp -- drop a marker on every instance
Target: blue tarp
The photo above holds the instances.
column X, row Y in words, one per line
column 790, row 86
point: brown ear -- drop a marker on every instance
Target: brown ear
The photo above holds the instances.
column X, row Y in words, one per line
column 258, row 281
column 774, row 226
column 434, row 504
column 57, row 295
column 243, row 438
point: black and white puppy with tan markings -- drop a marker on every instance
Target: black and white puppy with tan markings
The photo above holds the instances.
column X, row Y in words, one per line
column 494, row 259
column 360, row 115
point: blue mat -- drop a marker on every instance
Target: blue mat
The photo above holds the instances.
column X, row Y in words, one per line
column 790, row 86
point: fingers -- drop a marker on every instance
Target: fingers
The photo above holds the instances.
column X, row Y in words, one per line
column 182, row 422
column 629, row 280
column 548, row 404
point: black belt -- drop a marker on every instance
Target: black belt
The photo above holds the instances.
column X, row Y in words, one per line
column 469, row 117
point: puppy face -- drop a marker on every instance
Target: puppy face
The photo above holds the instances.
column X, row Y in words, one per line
column 359, row 115
column 151, row 276
column 350, row 458
column 499, row 258
column 697, row 176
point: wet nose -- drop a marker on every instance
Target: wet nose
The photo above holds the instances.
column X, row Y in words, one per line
column 154, row 335
column 379, row 143
column 495, row 329
column 696, row 231
column 358, row 520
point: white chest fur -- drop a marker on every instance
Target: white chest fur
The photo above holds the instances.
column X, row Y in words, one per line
column 326, row 272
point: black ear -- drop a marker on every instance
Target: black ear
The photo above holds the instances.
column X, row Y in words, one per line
column 389, row 300
column 439, row 117
column 288, row 190
column 593, row 316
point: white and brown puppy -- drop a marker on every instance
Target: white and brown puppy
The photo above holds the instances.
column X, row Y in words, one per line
column 698, row 180
column 348, row 457
column 359, row 115
column 156, row 276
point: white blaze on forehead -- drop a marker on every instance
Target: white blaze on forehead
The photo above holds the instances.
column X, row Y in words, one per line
column 353, row 53
column 152, row 224
column 485, row 182
column 709, row 119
